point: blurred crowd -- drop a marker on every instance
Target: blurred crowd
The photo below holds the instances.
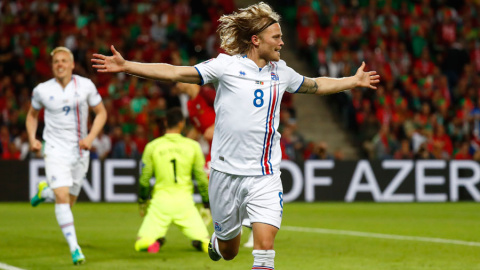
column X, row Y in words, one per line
column 428, row 55
column 426, row 51
column 179, row 32
column 176, row 32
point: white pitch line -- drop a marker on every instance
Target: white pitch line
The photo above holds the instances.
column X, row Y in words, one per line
column 9, row 267
column 382, row 236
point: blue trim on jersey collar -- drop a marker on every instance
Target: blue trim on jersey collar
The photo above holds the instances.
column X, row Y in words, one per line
column 201, row 77
column 300, row 85
column 269, row 63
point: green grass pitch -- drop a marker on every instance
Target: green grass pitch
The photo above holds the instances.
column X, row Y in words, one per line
column 30, row 238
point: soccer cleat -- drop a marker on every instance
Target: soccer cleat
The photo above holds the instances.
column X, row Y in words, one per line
column 212, row 253
column 37, row 199
column 154, row 248
column 145, row 245
column 78, row 257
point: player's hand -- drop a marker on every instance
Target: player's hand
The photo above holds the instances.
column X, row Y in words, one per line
column 206, row 215
column 85, row 143
column 367, row 78
column 114, row 63
column 36, row 145
column 206, row 205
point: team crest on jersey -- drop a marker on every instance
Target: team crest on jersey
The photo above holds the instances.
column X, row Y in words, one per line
column 242, row 73
column 274, row 76
column 209, row 60
column 218, row 228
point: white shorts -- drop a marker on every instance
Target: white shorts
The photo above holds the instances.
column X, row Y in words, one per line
column 66, row 172
column 234, row 198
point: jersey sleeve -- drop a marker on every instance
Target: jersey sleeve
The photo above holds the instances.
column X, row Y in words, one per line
column 36, row 100
column 295, row 80
column 212, row 70
column 146, row 174
column 199, row 173
column 94, row 97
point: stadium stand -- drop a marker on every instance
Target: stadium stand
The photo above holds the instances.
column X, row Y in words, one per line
column 176, row 32
column 427, row 52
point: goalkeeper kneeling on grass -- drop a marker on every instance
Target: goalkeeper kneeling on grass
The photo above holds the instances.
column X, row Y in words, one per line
column 174, row 159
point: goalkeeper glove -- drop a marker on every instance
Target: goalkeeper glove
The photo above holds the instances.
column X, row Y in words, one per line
column 142, row 206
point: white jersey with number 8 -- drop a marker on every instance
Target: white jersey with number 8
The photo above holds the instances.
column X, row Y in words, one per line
column 247, row 107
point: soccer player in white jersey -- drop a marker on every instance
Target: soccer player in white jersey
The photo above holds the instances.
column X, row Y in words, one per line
column 250, row 82
column 66, row 99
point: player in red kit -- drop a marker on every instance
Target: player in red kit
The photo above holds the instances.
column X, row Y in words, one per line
column 202, row 116
column 201, row 112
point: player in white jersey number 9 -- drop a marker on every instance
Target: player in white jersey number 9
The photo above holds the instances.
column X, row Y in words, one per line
column 66, row 99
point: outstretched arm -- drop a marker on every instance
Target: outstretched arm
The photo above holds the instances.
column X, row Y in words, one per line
column 326, row 86
column 161, row 72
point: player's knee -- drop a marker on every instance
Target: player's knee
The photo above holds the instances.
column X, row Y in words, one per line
column 62, row 198
column 229, row 253
column 62, row 195
column 264, row 244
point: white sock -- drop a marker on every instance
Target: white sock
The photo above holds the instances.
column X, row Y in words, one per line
column 263, row 259
column 65, row 220
column 48, row 194
column 215, row 244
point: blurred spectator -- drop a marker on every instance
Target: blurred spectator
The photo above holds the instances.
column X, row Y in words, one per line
column 140, row 138
column 423, row 153
column 320, row 151
column 338, row 155
column 21, row 143
column 4, row 141
column 404, row 152
column 125, row 148
column 12, row 152
column 383, row 145
column 292, row 143
column 463, row 152
column 101, row 146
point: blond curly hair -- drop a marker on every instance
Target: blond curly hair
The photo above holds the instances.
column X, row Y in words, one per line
column 236, row 30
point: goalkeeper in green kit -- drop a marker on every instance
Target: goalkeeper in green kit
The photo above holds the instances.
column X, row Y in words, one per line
column 173, row 159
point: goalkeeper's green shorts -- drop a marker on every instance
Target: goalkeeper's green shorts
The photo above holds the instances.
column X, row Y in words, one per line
column 184, row 214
